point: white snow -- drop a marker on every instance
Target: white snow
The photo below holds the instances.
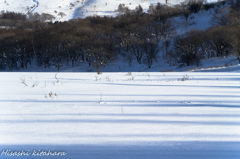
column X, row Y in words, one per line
column 181, row 112
column 77, row 8
column 44, row 6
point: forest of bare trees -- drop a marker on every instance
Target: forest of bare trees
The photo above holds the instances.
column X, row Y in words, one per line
column 133, row 35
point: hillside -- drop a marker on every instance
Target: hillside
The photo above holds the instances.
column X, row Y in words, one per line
column 161, row 40
column 76, row 8
column 43, row 6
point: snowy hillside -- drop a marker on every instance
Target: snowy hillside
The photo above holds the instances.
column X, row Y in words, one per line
column 76, row 8
column 122, row 115
column 43, row 6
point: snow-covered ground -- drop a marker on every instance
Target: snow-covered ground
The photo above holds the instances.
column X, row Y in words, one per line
column 77, row 8
column 122, row 115
column 54, row 7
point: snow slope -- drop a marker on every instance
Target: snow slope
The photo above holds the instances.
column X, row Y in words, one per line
column 76, row 8
column 109, row 7
column 122, row 115
column 43, row 6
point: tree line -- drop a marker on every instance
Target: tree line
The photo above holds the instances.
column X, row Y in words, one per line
column 133, row 35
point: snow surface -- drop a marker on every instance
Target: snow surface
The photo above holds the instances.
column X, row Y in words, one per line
column 122, row 115
column 77, row 8
column 53, row 7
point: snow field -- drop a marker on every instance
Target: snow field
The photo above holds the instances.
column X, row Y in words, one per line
column 119, row 108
